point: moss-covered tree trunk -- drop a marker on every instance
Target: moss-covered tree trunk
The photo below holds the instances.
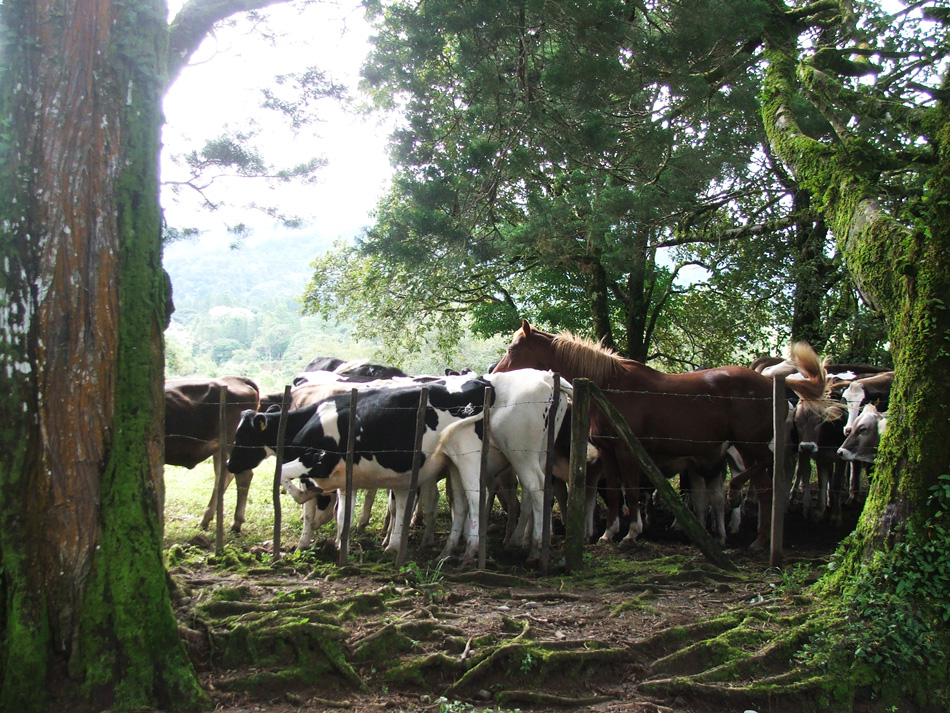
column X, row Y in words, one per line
column 85, row 610
column 906, row 274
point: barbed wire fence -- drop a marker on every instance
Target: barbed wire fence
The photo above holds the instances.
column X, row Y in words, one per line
column 576, row 478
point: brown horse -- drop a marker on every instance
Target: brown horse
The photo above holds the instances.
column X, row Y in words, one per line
column 683, row 420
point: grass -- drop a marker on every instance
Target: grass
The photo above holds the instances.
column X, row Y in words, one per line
column 187, row 493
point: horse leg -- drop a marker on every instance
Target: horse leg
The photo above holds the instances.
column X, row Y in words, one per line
column 612, row 494
column 630, row 472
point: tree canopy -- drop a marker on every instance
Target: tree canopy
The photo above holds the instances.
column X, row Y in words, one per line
column 571, row 162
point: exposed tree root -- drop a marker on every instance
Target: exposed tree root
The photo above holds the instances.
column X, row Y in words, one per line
column 316, row 633
column 546, row 699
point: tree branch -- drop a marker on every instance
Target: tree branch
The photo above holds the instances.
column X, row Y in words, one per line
column 195, row 21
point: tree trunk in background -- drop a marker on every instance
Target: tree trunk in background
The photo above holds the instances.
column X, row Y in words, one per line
column 85, row 603
column 598, row 299
column 811, row 274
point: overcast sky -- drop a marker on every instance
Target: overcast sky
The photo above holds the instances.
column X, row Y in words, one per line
column 223, row 87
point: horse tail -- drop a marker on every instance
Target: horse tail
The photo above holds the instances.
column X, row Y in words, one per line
column 811, row 381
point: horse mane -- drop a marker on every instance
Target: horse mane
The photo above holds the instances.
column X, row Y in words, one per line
column 587, row 358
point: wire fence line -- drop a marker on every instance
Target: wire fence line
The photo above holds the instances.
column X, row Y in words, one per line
column 486, row 413
column 408, row 411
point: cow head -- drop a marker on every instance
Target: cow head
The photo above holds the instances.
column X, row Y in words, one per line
column 255, row 433
column 862, row 442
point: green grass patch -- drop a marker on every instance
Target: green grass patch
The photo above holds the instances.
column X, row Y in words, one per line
column 187, row 493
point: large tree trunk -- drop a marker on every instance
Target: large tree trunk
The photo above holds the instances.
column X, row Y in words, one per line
column 84, row 593
column 906, row 274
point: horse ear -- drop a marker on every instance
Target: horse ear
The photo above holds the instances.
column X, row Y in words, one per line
column 525, row 327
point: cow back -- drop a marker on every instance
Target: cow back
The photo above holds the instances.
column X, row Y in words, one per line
column 192, row 408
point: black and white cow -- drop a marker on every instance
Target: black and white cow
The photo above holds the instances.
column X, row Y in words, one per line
column 314, row 450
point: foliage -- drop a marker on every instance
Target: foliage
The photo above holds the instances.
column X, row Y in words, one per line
column 577, row 158
column 565, row 148
column 898, row 611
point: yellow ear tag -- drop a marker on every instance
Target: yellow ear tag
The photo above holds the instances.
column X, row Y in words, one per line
column 263, row 425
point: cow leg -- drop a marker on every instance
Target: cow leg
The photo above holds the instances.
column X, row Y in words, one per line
column 388, row 520
column 459, row 513
column 803, row 480
column 243, row 482
column 213, row 502
column 369, row 498
column 760, row 476
column 429, row 501
column 837, row 491
column 399, row 500
column 822, row 470
column 341, row 498
column 854, row 484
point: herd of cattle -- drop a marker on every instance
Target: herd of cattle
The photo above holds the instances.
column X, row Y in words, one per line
column 840, row 438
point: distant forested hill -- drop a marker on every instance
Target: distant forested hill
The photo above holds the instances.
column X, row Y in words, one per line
column 266, row 267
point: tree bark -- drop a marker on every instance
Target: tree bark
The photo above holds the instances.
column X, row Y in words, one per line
column 906, row 275
column 85, row 600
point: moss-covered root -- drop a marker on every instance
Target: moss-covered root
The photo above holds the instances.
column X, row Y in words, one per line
column 748, row 664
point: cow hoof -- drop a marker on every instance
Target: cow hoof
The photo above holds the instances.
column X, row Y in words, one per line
column 759, row 546
column 627, row 543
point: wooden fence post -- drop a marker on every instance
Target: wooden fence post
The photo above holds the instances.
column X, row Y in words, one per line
column 575, row 520
column 348, row 495
column 220, row 482
column 547, row 495
column 483, row 513
column 281, row 432
column 414, row 477
column 779, row 486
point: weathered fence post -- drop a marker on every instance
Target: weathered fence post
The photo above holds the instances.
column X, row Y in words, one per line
column 220, row 482
column 348, row 495
column 281, row 432
column 575, row 524
column 414, row 476
column 483, row 513
column 779, row 486
column 546, row 505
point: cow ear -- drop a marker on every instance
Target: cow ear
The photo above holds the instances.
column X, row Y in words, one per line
column 525, row 327
column 260, row 422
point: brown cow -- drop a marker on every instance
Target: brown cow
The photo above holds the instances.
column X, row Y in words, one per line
column 192, row 430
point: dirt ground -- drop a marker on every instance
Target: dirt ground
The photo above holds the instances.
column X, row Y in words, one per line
column 445, row 640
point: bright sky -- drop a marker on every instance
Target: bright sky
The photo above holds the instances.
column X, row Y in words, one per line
column 223, row 87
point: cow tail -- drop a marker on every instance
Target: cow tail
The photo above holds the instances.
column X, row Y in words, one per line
column 449, row 430
column 814, row 389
